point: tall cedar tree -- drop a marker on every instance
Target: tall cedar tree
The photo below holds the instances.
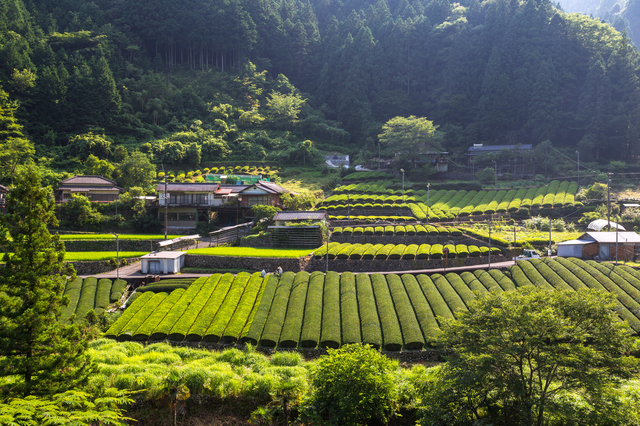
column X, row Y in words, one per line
column 46, row 356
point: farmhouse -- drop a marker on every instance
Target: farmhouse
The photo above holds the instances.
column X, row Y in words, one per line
column 96, row 188
column 601, row 245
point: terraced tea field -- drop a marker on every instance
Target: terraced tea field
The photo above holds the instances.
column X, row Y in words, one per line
column 392, row 312
column 90, row 293
column 401, row 251
column 449, row 204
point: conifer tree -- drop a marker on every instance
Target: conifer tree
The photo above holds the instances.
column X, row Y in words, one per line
column 41, row 354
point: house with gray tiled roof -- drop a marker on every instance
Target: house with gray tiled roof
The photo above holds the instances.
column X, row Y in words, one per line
column 95, row 188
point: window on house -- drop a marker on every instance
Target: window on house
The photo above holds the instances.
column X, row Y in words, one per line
column 188, row 217
column 172, row 217
column 259, row 200
column 200, row 198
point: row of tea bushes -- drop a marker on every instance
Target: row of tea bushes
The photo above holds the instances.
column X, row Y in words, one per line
column 346, row 251
column 362, row 218
column 391, row 312
column 448, row 204
column 377, row 175
column 89, row 294
column 398, row 230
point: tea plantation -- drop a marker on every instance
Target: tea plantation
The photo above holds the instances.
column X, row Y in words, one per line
column 391, row 312
column 89, row 294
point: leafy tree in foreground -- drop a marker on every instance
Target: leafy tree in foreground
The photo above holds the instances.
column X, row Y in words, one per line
column 520, row 357
column 38, row 355
column 69, row 408
column 353, row 385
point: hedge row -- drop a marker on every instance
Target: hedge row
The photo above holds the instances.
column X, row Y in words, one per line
column 177, row 311
column 273, row 326
column 447, row 204
column 209, row 311
column 117, row 327
column 292, row 326
column 72, row 292
column 181, row 328
column 145, row 330
column 312, row 325
column 349, row 309
column 243, row 311
column 399, row 230
column 330, row 336
column 370, row 219
column 346, row 251
column 367, row 175
column 369, row 321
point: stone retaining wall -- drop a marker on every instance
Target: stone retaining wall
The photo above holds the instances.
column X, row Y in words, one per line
column 254, row 263
column 94, row 267
column 110, row 245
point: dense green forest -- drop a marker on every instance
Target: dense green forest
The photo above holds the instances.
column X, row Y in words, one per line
column 198, row 81
column 623, row 15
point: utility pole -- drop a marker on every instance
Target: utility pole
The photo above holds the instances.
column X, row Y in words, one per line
column 578, row 154
column 428, row 188
column 549, row 252
column 495, row 174
column 616, row 243
column 489, row 244
column 402, row 170
column 166, row 203
column 327, row 254
column 348, row 210
column 378, row 155
column 609, row 202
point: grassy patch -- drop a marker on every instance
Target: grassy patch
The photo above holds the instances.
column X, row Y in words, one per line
column 72, row 237
column 303, row 179
column 250, row 252
column 75, row 256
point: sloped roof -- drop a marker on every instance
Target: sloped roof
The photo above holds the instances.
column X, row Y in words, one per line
column 272, row 187
column 299, row 215
column 610, row 237
column 87, row 180
column 182, row 187
column 599, row 224
column 493, row 148
column 235, row 188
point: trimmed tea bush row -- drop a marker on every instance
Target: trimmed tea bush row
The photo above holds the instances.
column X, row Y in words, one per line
column 367, row 175
column 87, row 295
column 346, row 251
column 374, row 218
column 398, row 230
column 447, row 204
column 390, row 312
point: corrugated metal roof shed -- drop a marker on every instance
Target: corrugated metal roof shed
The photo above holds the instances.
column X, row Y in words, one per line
column 599, row 224
column 610, row 237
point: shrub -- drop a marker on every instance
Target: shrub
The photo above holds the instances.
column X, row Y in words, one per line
column 87, row 298
column 389, row 230
column 292, row 326
column 253, row 333
column 411, row 333
column 340, row 380
column 129, row 313
column 384, row 252
column 103, row 291
column 116, row 290
column 273, row 326
column 156, row 316
column 175, row 314
column 312, row 326
column 423, row 251
column 388, row 317
column 369, row 321
column 461, row 288
column 141, row 316
column 410, row 252
column 72, row 291
column 436, row 301
column 349, row 309
column 462, row 251
column 422, row 309
column 243, row 309
column 397, row 251
column 360, row 251
column 449, row 295
column 371, row 252
column 209, row 311
column 436, row 251
column 331, row 336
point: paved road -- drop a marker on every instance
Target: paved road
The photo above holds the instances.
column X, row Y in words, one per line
column 133, row 271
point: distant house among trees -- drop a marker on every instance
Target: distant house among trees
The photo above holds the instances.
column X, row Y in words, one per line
column 480, row 149
column 95, row 188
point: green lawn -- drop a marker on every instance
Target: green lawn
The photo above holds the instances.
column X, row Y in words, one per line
column 69, row 237
column 100, row 255
column 251, row 252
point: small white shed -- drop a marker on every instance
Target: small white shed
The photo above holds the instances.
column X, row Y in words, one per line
column 162, row 262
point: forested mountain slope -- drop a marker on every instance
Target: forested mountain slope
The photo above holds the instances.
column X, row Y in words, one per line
column 174, row 78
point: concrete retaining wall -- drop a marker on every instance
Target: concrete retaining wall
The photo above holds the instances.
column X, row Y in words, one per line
column 110, row 245
column 94, row 267
column 252, row 263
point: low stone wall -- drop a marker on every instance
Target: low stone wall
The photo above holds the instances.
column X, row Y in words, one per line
column 110, row 245
column 95, row 267
column 254, row 263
